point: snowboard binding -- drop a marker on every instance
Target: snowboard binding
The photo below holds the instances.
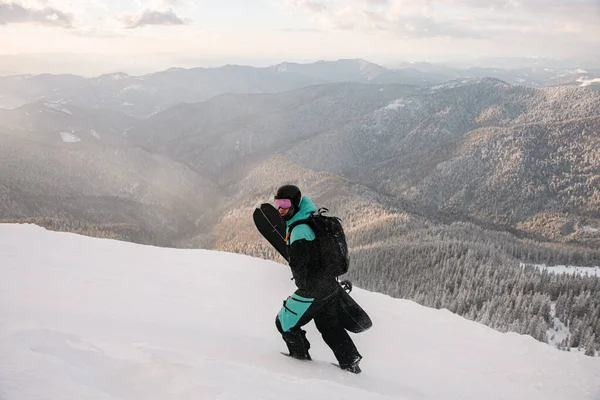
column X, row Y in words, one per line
column 346, row 285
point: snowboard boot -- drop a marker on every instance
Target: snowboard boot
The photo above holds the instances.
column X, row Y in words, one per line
column 352, row 366
column 297, row 344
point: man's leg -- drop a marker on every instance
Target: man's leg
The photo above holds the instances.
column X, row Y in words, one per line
column 328, row 323
column 296, row 341
column 296, row 312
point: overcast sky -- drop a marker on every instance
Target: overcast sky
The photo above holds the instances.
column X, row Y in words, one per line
column 264, row 31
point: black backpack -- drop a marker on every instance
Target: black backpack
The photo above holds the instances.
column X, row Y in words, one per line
column 330, row 235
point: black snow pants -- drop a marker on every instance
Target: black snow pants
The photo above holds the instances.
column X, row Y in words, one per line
column 325, row 312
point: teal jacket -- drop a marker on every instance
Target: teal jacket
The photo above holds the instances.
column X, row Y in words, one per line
column 311, row 280
column 302, row 231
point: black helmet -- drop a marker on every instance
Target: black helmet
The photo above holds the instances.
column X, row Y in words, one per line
column 292, row 193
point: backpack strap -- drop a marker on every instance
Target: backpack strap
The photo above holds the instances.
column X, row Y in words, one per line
column 295, row 224
column 305, row 221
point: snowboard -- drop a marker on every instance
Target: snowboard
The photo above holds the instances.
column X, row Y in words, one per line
column 270, row 224
column 352, row 315
column 272, row 227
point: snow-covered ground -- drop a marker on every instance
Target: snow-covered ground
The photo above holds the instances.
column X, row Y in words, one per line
column 94, row 134
column 68, row 137
column 559, row 331
column 87, row 318
column 568, row 269
column 58, row 105
column 588, row 81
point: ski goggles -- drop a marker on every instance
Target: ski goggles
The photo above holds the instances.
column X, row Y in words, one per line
column 283, row 203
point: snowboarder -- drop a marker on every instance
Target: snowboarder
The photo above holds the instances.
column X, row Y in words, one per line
column 317, row 294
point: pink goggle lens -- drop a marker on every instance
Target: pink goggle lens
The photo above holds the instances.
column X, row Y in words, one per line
column 283, row 203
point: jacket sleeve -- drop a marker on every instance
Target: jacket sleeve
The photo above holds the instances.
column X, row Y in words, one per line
column 300, row 262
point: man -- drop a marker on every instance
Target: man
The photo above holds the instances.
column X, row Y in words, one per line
column 317, row 294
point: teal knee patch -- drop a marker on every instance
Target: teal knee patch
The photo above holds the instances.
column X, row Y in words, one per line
column 293, row 309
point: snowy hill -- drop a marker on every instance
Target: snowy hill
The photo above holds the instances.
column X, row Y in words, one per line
column 86, row 318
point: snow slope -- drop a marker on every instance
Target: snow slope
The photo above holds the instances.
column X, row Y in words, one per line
column 86, row 318
column 569, row 269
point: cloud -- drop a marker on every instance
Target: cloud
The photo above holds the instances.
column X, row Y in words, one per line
column 309, row 5
column 97, row 33
column 11, row 12
column 153, row 17
column 161, row 5
column 306, row 30
column 451, row 18
column 405, row 18
column 376, row 2
column 171, row 3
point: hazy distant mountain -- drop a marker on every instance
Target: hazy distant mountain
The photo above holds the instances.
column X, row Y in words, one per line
column 230, row 129
column 473, row 149
column 468, row 149
column 145, row 95
column 75, row 166
column 354, row 70
column 579, row 77
column 526, row 74
column 18, row 90
column 591, row 61
column 55, row 121
column 484, row 150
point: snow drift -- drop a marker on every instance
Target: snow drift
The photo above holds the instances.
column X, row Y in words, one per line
column 87, row 318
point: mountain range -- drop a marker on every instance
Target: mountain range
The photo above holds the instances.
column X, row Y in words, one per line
column 506, row 156
column 145, row 95
column 477, row 149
